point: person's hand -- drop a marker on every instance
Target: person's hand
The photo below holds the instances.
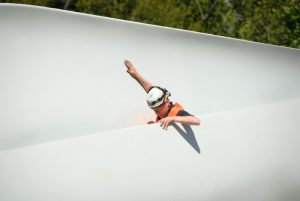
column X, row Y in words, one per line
column 165, row 122
column 130, row 69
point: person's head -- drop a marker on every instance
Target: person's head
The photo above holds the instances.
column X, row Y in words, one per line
column 157, row 99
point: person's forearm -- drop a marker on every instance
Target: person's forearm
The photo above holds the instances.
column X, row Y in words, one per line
column 134, row 73
column 190, row 120
column 143, row 82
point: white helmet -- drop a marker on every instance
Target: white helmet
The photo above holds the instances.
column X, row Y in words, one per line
column 156, row 96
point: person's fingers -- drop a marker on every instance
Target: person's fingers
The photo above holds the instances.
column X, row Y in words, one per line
column 161, row 122
column 127, row 64
column 165, row 124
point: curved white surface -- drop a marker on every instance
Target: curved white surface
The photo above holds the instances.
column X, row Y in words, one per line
column 61, row 76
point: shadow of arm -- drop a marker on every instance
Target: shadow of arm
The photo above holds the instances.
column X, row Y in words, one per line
column 188, row 135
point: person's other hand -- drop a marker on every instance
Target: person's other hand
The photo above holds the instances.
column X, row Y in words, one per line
column 130, row 69
column 165, row 122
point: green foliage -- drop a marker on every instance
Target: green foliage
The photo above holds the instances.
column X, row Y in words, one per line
column 210, row 16
column 160, row 12
column 32, row 2
column 290, row 15
column 268, row 21
column 121, row 9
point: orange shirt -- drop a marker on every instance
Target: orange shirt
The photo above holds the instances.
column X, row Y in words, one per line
column 173, row 112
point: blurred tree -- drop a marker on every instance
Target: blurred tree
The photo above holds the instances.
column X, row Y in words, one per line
column 268, row 21
column 32, row 2
column 210, row 16
column 290, row 15
column 170, row 13
column 121, row 9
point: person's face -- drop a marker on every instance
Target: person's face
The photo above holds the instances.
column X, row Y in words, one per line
column 161, row 111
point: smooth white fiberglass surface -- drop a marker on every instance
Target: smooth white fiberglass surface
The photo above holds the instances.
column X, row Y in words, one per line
column 62, row 73
column 65, row 92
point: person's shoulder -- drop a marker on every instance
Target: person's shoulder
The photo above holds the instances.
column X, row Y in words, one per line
column 183, row 113
column 179, row 110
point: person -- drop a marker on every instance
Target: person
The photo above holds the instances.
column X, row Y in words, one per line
column 158, row 101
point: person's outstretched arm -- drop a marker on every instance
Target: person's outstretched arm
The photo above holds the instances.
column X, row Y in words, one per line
column 134, row 74
column 189, row 120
